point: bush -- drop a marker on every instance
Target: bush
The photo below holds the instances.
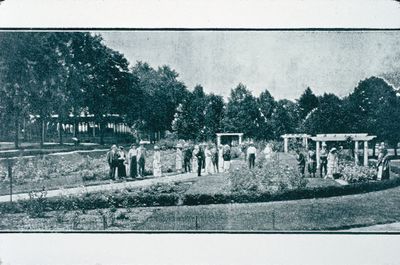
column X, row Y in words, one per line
column 354, row 173
column 267, row 177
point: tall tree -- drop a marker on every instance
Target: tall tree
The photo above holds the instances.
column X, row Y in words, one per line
column 285, row 118
column 214, row 113
column 307, row 102
column 241, row 114
column 266, row 105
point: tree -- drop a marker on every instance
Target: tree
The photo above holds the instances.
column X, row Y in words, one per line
column 307, row 102
column 328, row 117
column 241, row 114
column 266, row 105
column 374, row 107
column 214, row 113
column 285, row 118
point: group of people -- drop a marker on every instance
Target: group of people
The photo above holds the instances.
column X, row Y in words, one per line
column 329, row 162
column 203, row 158
column 124, row 164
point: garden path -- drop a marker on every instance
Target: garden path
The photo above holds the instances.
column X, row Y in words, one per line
column 110, row 186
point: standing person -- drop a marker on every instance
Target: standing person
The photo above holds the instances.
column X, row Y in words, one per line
column 301, row 162
column 268, row 151
column 200, row 160
column 157, row 162
column 333, row 163
column 132, row 161
column 188, row 158
column 312, row 163
column 227, row 158
column 121, row 163
column 178, row 158
column 323, row 156
column 251, row 155
column 194, row 158
column 214, row 158
column 112, row 159
column 221, row 158
column 383, row 164
column 141, row 156
column 208, row 161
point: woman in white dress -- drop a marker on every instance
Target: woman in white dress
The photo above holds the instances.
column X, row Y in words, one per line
column 194, row 158
column 221, row 158
column 179, row 158
column 333, row 163
column 157, row 162
column 268, row 151
column 209, row 164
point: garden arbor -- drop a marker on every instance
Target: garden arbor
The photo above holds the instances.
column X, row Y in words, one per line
column 356, row 137
column 219, row 135
column 286, row 138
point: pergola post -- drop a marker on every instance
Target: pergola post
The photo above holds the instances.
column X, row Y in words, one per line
column 285, row 144
column 240, row 139
column 365, row 153
column 317, row 152
column 218, row 140
column 356, row 152
column 306, row 141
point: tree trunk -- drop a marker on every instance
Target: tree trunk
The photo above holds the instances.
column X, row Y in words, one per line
column 60, row 133
column 42, row 134
column 101, row 133
column 16, row 140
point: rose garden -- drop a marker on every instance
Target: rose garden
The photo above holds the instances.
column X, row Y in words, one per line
column 75, row 97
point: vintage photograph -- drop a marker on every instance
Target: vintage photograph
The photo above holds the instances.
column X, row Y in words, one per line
column 200, row 130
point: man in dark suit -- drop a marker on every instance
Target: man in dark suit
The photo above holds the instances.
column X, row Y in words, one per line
column 112, row 159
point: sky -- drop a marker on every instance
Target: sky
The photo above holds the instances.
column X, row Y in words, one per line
column 284, row 62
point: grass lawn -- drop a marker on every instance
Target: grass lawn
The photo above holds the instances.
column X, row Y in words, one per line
column 310, row 214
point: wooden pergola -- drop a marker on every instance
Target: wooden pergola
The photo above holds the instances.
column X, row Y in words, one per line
column 219, row 135
column 356, row 137
column 286, row 138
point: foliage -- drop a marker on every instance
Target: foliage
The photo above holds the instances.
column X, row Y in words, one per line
column 307, row 102
column 267, row 177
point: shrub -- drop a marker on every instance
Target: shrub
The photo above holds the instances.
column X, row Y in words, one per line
column 355, row 173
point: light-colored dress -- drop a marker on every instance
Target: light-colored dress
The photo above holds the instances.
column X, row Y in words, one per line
column 194, row 160
column 179, row 159
column 268, row 152
column 221, row 159
column 209, row 166
column 157, row 164
column 332, row 165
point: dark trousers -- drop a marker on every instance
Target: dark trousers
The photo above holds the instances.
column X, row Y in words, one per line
column 133, row 167
column 324, row 167
column 200, row 167
column 187, row 165
column 142, row 163
column 252, row 160
column 302, row 168
column 112, row 171
column 215, row 164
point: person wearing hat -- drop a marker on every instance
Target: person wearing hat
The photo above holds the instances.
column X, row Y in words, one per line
column 132, row 161
column 215, row 158
column 323, row 156
column 141, row 157
column 333, row 164
column 208, row 160
column 312, row 162
column 200, row 157
column 121, row 169
column 251, row 155
column 157, row 162
column 383, row 164
column 112, row 159
column 187, row 158
column 178, row 158
column 194, row 158
column 227, row 158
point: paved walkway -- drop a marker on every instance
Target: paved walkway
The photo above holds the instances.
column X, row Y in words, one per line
column 106, row 187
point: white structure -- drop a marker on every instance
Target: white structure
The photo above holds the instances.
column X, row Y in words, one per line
column 286, row 138
column 240, row 135
column 356, row 137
